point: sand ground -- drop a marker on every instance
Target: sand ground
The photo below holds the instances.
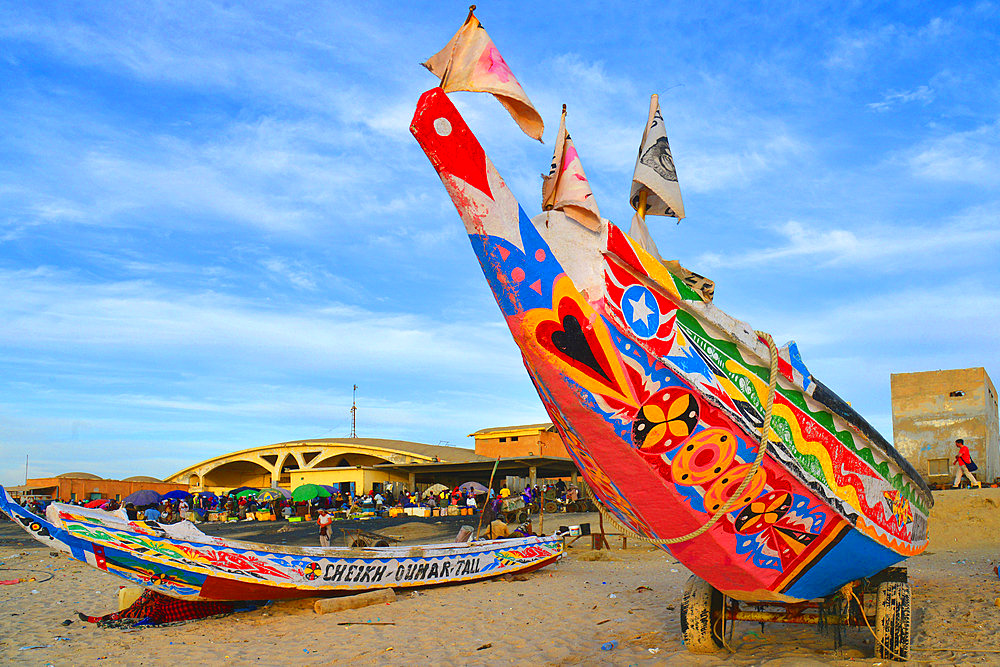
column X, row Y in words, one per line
column 560, row 615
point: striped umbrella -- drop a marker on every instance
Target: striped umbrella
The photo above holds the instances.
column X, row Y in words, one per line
column 267, row 495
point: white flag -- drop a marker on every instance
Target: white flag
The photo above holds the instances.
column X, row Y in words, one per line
column 654, row 170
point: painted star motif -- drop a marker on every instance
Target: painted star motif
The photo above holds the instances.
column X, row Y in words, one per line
column 640, row 311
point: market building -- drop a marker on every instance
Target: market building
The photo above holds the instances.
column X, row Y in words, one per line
column 931, row 409
column 349, row 464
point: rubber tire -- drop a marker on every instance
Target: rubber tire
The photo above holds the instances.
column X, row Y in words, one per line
column 359, row 543
column 382, row 543
column 522, row 516
column 551, row 507
column 892, row 620
column 701, row 616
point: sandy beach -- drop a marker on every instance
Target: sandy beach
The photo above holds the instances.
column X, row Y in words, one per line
column 559, row 615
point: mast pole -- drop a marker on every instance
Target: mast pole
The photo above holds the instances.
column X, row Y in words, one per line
column 354, row 413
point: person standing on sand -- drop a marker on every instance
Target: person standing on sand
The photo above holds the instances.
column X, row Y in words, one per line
column 325, row 522
column 963, row 461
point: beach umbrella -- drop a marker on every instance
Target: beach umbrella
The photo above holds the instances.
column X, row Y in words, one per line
column 243, row 493
column 332, row 489
column 206, row 494
column 144, row 497
column 474, row 488
column 237, row 492
column 308, row 492
column 176, row 494
column 100, row 502
column 267, row 495
column 436, row 488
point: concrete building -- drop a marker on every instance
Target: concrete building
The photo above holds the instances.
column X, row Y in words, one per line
column 932, row 408
column 527, row 440
column 85, row 486
column 350, row 464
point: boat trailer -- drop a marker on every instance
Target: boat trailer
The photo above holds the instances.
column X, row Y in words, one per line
column 880, row 602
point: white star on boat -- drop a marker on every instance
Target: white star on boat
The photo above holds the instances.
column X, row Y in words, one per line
column 640, row 311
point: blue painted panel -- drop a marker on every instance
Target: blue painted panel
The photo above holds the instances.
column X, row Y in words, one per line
column 854, row 557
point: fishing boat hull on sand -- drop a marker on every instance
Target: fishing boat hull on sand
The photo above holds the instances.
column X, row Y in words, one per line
column 660, row 399
column 180, row 561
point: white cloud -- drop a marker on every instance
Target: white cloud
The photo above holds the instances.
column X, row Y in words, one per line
column 48, row 310
column 965, row 157
column 879, row 249
column 892, row 98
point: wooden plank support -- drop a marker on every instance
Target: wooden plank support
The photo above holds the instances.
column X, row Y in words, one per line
column 330, row 605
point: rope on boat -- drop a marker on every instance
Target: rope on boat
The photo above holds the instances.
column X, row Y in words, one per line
column 762, row 450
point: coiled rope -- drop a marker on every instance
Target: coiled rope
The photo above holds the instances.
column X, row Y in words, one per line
column 762, row 450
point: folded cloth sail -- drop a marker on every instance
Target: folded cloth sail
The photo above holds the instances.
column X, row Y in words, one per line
column 696, row 281
column 566, row 188
column 154, row 608
column 640, row 232
column 654, row 170
column 470, row 61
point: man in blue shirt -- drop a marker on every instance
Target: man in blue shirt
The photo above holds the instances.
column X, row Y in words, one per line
column 151, row 513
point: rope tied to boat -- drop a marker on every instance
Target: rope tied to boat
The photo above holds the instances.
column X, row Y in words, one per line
column 772, row 386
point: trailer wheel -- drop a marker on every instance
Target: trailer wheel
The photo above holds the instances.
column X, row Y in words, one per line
column 892, row 621
column 382, row 543
column 702, row 621
column 551, row 506
column 359, row 543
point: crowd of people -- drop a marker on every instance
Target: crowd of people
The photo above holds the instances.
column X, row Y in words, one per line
column 202, row 506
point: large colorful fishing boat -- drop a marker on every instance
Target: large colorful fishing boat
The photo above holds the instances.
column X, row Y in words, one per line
column 181, row 561
column 691, row 428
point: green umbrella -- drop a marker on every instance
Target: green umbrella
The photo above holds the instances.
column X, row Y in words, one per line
column 247, row 492
column 308, row 492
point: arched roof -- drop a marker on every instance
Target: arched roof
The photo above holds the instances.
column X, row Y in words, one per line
column 141, row 478
column 307, row 453
column 80, row 475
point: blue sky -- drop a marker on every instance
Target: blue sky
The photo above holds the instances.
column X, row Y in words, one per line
column 214, row 221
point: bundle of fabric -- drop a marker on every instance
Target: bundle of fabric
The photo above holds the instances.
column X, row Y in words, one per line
column 153, row 609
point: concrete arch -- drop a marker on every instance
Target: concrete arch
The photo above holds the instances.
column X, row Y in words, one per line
column 232, row 474
column 273, row 464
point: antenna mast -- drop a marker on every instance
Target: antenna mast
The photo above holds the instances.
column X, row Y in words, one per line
column 354, row 413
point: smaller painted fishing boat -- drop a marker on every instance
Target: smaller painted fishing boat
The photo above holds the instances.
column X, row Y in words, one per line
column 183, row 562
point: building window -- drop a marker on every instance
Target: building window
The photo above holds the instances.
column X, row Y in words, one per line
column 958, row 393
column 503, row 439
column 937, row 467
column 513, row 438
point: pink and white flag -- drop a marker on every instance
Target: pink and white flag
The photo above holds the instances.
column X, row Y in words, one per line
column 470, row 61
column 566, row 188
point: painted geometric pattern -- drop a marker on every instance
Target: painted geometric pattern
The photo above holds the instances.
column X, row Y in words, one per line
column 696, row 451
column 718, row 369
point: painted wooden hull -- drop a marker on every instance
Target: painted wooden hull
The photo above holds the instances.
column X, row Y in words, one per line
column 181, row 561
column 659, row 398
